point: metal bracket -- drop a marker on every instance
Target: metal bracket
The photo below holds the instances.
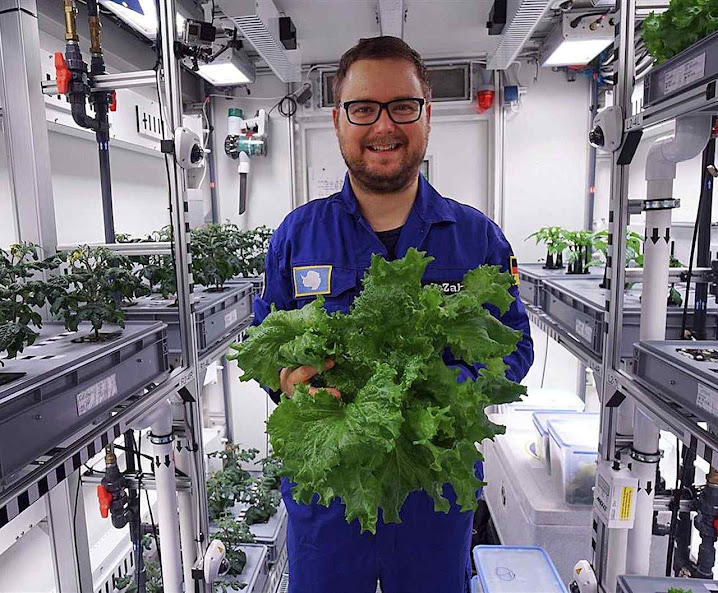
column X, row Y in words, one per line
column 660, row 204
column 645, row 457
column 110, row 82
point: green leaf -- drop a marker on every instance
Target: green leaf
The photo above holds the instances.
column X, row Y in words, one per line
column 403, row 423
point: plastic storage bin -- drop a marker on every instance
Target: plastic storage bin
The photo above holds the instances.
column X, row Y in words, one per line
column 542, row 447
column 532, row 276
column 537, row 400
column 508, row 569
column 574, row 452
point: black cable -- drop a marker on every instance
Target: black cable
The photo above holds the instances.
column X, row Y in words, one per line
column 147, row 496
column 121, row 448
column 574, row 23
column 684, row 319
column 686, row 453
column 74, row 531
column 545, row 358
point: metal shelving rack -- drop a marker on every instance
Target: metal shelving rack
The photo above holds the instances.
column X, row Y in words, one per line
column 28, row 151
column 618, row 384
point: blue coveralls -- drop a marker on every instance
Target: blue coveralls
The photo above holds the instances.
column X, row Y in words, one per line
column 324, row 247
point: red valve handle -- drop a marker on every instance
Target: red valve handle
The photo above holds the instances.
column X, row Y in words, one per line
column 113, row 105
column 62, row 73
column 105, row 499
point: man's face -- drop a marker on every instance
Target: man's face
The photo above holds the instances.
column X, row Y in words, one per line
column 382, row 171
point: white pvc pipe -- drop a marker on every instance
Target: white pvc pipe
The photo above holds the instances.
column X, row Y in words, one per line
column 616, row 558
column 167, row 499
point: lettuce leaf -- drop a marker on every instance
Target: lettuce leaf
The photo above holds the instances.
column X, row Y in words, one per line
column 403, row 422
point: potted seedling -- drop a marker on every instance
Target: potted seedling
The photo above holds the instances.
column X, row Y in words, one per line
column 579, row 245
column 272, row 471
column 21, row 294
column 94, row 284
column 157, row 271
column 224, row 487
column 233, row 534
column 553, row 238
column 214, row 255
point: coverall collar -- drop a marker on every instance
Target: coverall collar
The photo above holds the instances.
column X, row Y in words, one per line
column 429, row 205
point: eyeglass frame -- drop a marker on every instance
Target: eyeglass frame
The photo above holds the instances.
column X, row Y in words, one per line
column 384, row 106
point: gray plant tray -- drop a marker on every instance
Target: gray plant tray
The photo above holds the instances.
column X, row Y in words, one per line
column 532, row 277
column 67, row 385
column 218, row 315
column 273, row 533
column 256, row 570
column 694, row 66
column 633, row 584
column 257, row 282
column 579, row 307
column 682, row 371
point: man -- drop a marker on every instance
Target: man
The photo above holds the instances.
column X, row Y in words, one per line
column 382, row 119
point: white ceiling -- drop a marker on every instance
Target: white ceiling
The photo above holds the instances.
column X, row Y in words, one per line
column 435, row 28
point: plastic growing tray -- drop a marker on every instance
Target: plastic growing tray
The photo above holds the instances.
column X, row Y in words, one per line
column 532, row 277
column 272, row 534
column 682, row 371
column 579, row 307
column 257, row 282
column 255, row 571
column 218, row 315
column 63, row 385
column 635, row 584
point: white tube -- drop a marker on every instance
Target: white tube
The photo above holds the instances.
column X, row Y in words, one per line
column 656, row 257
column 161, row 438
column 616, row 560
column 187, row 519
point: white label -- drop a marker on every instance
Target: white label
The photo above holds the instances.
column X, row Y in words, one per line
column 707, row 399
column 230, row 318
column 584, row 330
column 100, row 392
column 684, row 74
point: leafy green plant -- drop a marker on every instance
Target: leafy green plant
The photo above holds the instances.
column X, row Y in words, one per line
column 553, row 238
column 20, row 295
column 676, row 590
column 226, row 486
column 262, row 499
column 252, row 248
column 156, row 270
column 683, row 24
column 215, row 254
column 272, row 471
column 233, row 533
column 95, row 282
column 403, row 422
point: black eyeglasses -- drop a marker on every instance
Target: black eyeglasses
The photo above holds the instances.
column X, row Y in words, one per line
column 366, row 113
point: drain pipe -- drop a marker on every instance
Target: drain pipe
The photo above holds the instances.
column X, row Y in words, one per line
column 161, row 437
column 690, row 138
column 79, row 92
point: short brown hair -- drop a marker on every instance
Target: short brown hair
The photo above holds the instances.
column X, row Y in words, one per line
column 378, row 48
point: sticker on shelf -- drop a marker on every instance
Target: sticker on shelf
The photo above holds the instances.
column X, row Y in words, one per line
column 707, row 399
column 584, row 330
column 683, row 75
column 94, row 396
column 230, row 318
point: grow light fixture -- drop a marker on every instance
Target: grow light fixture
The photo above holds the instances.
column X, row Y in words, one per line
column 230, row 68
column 141, row 15
column 575, row 41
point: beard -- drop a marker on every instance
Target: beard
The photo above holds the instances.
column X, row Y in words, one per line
column 385, row 182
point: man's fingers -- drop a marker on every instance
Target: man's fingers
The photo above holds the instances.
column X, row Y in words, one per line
column 328, row 364
column 288, row 378
column 302, row 374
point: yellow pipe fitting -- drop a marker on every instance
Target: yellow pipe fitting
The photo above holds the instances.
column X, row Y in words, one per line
column 95, row 29
column 71, row 21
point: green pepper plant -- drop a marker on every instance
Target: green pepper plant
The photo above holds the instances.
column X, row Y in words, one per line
column 92, row 288
column 554, row 239
column 22, row 292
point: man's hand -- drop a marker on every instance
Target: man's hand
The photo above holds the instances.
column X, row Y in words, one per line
column 288, row 378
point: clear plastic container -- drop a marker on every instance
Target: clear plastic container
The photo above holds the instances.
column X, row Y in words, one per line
column 542, row 446
column 537, row 400
column 574, row 452
column 509, row 569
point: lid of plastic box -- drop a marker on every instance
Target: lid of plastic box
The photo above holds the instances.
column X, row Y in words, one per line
column 548, row 399
column 509, row 569
column 542, row 418
column 579, row 433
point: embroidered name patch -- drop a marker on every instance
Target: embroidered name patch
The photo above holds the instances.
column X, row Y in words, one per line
column 312, row 280
column 514, row 269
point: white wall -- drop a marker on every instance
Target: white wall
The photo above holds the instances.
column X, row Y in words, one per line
column 546, row 154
